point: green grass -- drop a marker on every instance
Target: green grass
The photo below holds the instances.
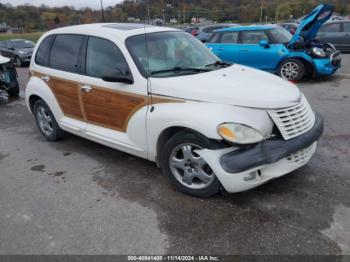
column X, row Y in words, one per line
column 30, row 36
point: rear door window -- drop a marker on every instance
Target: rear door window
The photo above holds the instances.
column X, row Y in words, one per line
column 331, row 28
column 347, row 27
column 102, row 55
column 253, row 37
column 230, row 38
column 215, row 38
column 65, row 53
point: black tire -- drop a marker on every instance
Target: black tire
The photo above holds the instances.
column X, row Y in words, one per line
column 298, row 67
column 166, row 153
column 14, row 91
column 57, row 133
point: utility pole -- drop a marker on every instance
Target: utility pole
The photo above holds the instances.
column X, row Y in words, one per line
column 103, row 12
column 148, row 12
column 261, row 10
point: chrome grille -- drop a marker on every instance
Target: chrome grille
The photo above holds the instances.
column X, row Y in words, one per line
column 303, row 156
column 293, row 121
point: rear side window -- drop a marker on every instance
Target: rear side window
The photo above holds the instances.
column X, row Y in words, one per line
column 230, row 38
column 65, row 53
column 347, row 27
column 253, row 37
column 101, row 55
column 42, row 55
column 215, row 38
column 331, row 28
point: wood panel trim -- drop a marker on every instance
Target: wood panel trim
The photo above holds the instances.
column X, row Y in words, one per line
column 145, row 101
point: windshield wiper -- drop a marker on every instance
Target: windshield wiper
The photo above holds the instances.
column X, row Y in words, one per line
column 180, row 69
column 219, row 63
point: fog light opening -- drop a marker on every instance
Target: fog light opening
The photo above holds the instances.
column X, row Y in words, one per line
column 250, row 176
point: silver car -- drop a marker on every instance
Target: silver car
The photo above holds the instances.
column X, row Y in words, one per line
column 206, row 32
column 337, row 33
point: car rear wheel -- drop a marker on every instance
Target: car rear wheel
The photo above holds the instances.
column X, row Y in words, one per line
column 189, row 172
column 292, row 69
column 46, row 121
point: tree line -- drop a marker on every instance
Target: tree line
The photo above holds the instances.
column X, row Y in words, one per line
column 41, row 18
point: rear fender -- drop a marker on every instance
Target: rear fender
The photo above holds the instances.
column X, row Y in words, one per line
column 38, row 87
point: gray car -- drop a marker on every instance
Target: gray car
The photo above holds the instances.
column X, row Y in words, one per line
column 18, row 50
column 336, row 33
column 206, row 32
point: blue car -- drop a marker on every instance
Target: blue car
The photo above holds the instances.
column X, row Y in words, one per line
column 272, row 48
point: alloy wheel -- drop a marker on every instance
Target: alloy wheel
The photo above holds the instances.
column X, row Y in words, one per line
column 290, row 71
column 45, row 121
column 190, row 169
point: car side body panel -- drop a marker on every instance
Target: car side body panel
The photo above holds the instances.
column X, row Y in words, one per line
column 203, row 118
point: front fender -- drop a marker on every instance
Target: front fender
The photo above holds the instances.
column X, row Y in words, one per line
column 203, row 118
column 298, row 55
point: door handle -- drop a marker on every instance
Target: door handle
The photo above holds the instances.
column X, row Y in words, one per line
column 45, row 78
column 245, row 50
column 220, row 49
column 86, row 88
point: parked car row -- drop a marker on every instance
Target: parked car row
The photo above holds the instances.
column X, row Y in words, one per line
column 18, row 50
column 335, row 32
column 274, row 49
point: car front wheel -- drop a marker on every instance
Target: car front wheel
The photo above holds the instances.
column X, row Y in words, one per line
column 188, row 171
column 291, row 69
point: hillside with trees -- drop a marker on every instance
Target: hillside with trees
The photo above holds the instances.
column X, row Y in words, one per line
column 42, row 18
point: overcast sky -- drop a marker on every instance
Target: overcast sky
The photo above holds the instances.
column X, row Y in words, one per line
column 75, row 3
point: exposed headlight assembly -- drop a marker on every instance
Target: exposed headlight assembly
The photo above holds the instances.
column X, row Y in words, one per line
column 318, row 52
column 239, row 134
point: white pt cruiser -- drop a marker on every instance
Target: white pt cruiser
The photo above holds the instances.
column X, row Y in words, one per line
column 160, row 94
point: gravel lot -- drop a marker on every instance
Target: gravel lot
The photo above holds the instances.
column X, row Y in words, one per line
column 78, row 197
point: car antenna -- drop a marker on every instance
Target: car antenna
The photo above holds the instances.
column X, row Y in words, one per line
column 149, row 91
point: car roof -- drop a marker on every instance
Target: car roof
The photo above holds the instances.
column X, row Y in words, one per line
column 247, row 28
column 288, row 24
column 215, row 25
column 19, row 40
column 337, row 21
column 119, row 30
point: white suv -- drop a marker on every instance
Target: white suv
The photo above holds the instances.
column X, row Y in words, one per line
column 160, row 94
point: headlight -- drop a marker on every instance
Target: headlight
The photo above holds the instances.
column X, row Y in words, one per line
column 318, row 52
column 239, row 134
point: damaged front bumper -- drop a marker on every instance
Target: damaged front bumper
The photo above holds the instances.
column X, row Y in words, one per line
column 242, row 169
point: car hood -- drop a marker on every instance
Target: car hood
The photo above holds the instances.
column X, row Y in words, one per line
column 27, row 50
column 236, row 85
column 312, row 22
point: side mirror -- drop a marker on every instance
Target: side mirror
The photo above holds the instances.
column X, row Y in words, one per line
column 117, row 76
column 264, row 43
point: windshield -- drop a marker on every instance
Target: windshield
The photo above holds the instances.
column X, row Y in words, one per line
column 22, row 44
column 168, row 54
column 281, row 35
